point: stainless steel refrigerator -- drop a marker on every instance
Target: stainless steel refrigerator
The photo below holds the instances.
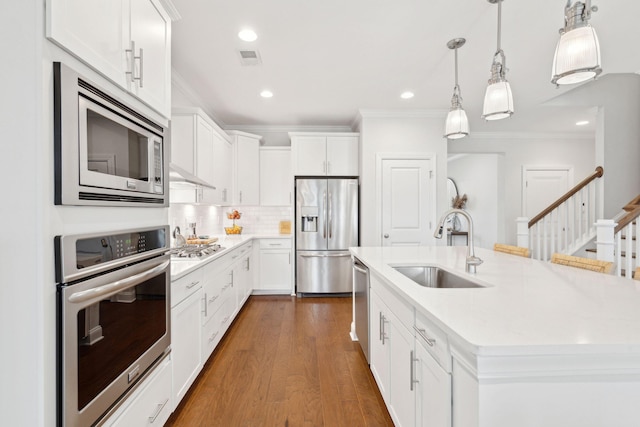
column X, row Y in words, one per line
column 326, row 226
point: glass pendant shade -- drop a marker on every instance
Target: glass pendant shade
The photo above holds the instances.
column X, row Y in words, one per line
column 457, row 125
column 577, row 57
column 498, row 101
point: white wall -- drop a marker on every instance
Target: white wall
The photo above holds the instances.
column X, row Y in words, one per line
column 384, row 132
column 481, row 178
column 518, row 150
column 618, row 140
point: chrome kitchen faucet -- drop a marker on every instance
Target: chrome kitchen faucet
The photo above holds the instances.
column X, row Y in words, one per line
column 472, row 259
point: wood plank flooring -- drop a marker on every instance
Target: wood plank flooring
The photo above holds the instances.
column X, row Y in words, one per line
column 286, row 361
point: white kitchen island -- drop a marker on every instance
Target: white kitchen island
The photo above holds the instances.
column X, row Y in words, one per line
column 539, row 345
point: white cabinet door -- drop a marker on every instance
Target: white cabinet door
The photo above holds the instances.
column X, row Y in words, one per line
column 247, row 171
column 379, row 344
column 151, row 35
column 222, row 158
column 433, row 388
column 94, row 31
column 276, row 177
column 182, row 142
column 402, row 405
column 310, row 155
column 342, row 155
column 185, row 344
column 275, row 270
column 205, row 150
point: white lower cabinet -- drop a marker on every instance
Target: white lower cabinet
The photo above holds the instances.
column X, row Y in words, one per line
column 275, row 267
column 150, row 405
column 185, row 339
column 433, row 388
column 410, row 361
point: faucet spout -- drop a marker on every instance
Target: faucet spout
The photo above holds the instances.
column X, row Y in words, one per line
column 472, row 260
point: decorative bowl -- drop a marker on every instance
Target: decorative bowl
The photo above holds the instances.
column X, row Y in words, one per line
column 236, row 229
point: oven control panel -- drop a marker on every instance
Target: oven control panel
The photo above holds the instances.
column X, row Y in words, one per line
column 79, row 256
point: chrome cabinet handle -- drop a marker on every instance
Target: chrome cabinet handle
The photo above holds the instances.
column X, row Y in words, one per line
column 132, row 52
column 240, row 196
column 192, row 284
column 153, row 417
column 141, row 59
column 412, row 361
column 213, row 336
column 205, row 305
column 326, row 256
column 212, row 299
column 117, row 286
column 423, row 335
column 383, row 333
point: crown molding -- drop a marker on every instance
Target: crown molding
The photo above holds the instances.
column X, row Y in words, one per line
column 286, row 129
column 529, row 135
column 171, row 10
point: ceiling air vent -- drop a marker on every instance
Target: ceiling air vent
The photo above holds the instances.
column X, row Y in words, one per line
column 250, row 57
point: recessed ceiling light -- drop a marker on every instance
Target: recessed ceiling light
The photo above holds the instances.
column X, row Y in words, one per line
column 407, row 95
column 248, row 35
column 582, row 123
column 266, row 94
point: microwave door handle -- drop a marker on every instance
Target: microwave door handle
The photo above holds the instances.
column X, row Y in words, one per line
column 117, row 286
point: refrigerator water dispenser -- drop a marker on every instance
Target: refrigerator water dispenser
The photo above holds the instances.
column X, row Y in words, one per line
column 309, row 219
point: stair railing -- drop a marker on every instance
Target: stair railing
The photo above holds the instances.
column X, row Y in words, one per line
column 618, row 240
column 566, row 225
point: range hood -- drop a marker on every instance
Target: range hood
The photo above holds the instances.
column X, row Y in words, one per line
column 179, row 175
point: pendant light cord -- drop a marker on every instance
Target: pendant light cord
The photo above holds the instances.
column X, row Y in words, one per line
column 499, row 23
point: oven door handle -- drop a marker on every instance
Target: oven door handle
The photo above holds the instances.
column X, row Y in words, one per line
column 117, row 286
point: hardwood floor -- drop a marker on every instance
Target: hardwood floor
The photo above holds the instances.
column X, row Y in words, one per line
column 286, row 361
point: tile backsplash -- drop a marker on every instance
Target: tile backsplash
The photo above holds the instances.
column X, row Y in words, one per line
column 211, row 219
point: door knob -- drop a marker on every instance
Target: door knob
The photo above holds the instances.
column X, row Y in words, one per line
column 386, row 236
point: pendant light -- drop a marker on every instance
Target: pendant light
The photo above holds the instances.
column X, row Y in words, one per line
column 498, row 99
column 577, row 57
column 457, row 125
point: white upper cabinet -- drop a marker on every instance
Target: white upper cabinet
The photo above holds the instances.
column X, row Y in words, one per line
column 200, row 147
column 334, row 154
column 102, row 33
column 276, row 177
column 222, row 160
column 151, row 54
column 247, row 168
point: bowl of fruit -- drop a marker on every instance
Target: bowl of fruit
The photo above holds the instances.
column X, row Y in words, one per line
column 235, row 229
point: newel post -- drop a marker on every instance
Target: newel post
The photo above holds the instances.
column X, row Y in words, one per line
column 605, row 239
column 522, row 231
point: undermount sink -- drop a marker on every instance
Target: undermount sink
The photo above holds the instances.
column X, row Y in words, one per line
column 434, row 277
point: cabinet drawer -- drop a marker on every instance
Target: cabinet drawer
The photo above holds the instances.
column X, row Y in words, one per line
column 185, row 286
column 275, row 243
column 434, row 340
column 150, row 405
column 212, row 333
column 398, row 306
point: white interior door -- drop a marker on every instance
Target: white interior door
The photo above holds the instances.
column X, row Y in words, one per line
column 406, row 198
column 543, row 186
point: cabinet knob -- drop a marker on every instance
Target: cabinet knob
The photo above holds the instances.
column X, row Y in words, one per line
column 386, row 236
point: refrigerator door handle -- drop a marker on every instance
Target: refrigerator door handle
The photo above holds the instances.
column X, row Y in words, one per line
column 325, row 256
column 330, row 217
column 324, row 215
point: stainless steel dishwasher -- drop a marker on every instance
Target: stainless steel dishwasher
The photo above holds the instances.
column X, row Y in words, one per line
column 361, row 303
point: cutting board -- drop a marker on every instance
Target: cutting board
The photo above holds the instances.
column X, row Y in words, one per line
column 202, row 241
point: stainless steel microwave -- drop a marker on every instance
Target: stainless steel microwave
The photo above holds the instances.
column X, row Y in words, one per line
column 106, row 152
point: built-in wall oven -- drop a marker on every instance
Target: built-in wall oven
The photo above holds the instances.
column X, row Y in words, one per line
column 106, row 152
column 113, row 318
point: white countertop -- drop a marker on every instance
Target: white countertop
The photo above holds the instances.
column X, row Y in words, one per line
column 182, row 267
column 528, row 307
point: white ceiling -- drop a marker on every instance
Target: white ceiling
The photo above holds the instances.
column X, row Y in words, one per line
column 326, row 59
